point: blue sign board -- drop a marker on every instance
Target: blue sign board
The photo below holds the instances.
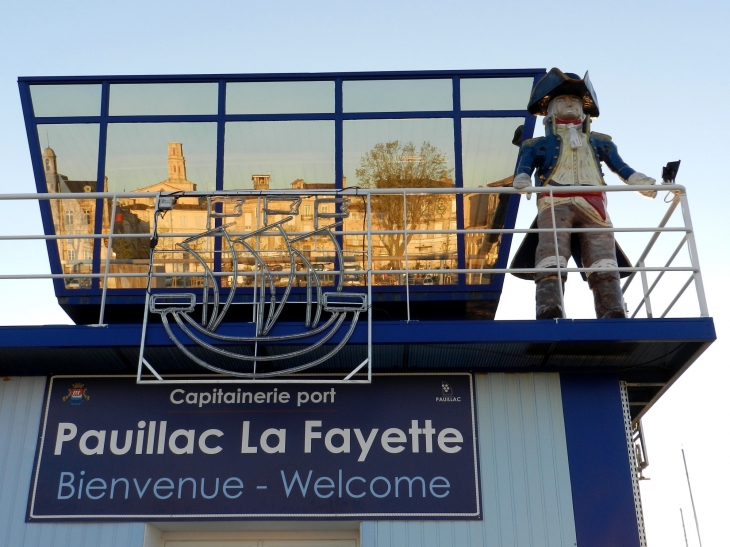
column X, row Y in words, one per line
column 401, row 447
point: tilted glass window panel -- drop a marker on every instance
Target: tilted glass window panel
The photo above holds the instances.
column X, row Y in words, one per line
column 168, row 157
column 130, row 255
column 280, row 155
column 69, row 153
column 417, row 153
column 69, row 160
column 66, row 100
column 280, row 97
column 495, row 93
column 488, row 155
column 163, row 99
column 398, row 150
column 397, row 95
column 488, row 159
column 157, row 157
column 315, row 256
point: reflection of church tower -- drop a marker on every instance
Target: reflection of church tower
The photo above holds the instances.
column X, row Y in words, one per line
column 50, row 169
column 175, row 163
column 261, row 182
column 177, row 177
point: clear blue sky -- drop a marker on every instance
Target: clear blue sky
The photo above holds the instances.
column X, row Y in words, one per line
column 659, row 68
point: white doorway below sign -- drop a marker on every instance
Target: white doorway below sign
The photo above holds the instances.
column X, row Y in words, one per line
column 238, row 534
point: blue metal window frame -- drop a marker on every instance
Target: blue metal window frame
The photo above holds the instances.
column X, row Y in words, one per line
column 221, row 118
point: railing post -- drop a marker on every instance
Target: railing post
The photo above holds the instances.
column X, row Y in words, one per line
column 699, row 285
column 370, row 290
column 652, row 241
column 405, row 250
column 557, row 253
column 645, row 285
column 108, row 259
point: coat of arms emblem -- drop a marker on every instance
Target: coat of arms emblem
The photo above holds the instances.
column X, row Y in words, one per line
column 76, row 394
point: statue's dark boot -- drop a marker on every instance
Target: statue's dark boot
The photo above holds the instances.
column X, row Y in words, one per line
column 547, row 299
column 607, row 297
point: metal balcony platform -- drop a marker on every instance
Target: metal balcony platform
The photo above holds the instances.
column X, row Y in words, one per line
column 648, row 354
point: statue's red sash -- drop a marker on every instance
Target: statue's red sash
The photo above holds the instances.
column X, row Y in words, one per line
column 596, row 199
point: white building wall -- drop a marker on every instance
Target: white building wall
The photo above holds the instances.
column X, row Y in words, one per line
column 525, row 479
column 21, row 402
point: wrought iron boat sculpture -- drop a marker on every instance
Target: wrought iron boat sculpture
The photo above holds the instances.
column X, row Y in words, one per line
column 268, row 305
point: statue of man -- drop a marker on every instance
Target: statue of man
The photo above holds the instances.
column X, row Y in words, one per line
column 570, row 155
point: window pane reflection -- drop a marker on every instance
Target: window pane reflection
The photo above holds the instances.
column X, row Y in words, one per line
column 154, row 157
column 489, row 158
column 315, row 254
column 495, row 93
column 66, row 100
column 488, row 154
column 397, row 95
column 280, row 155
column 280, row 97
column 131, row 254
column 149, row 157
column 404, row 154
column 163, row 99
column 70, row 165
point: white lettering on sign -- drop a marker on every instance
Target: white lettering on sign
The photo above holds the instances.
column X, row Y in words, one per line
column 182, row 441
column 358, row 487
column 217, row 396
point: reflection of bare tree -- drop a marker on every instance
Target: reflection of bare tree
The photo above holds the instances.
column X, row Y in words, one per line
column 130, row 248
column 400, row 165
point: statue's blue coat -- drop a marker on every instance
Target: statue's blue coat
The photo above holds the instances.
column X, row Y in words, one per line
column 542, row 154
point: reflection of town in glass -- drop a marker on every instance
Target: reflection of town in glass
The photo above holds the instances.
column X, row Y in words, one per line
column 388, row 165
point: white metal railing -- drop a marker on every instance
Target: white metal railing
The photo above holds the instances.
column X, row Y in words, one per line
column 676, row 192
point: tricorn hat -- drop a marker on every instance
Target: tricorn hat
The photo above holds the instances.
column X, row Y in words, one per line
column 556, row 83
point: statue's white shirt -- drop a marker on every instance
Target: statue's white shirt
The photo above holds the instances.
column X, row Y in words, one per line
column 575, row 167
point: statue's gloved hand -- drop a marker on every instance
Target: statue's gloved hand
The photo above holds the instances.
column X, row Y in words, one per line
column 522, row 181
column 640, row 179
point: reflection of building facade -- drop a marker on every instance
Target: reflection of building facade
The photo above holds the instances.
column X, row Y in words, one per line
column 190, row 215
column 71, row 217
column 484, row 211
column 136, row 216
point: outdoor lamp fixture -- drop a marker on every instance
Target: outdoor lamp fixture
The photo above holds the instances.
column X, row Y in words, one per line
column 669, row 173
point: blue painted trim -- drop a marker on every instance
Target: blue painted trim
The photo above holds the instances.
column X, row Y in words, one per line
column 302, row 76
column 600, row 475
column 67, row 119
column 699, row 330
column 220, row 172
column 339, row 160
column 286, row 117
column 220, row 144
column 339, row 132
column 212, row 118
column 100, row 176
column 279, row 117
column 36, row 157
column 459, row 180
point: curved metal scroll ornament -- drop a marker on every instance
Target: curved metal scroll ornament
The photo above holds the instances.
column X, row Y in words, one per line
column 344, row 309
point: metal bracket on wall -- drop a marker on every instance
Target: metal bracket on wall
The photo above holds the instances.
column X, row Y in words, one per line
column 634, row 464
